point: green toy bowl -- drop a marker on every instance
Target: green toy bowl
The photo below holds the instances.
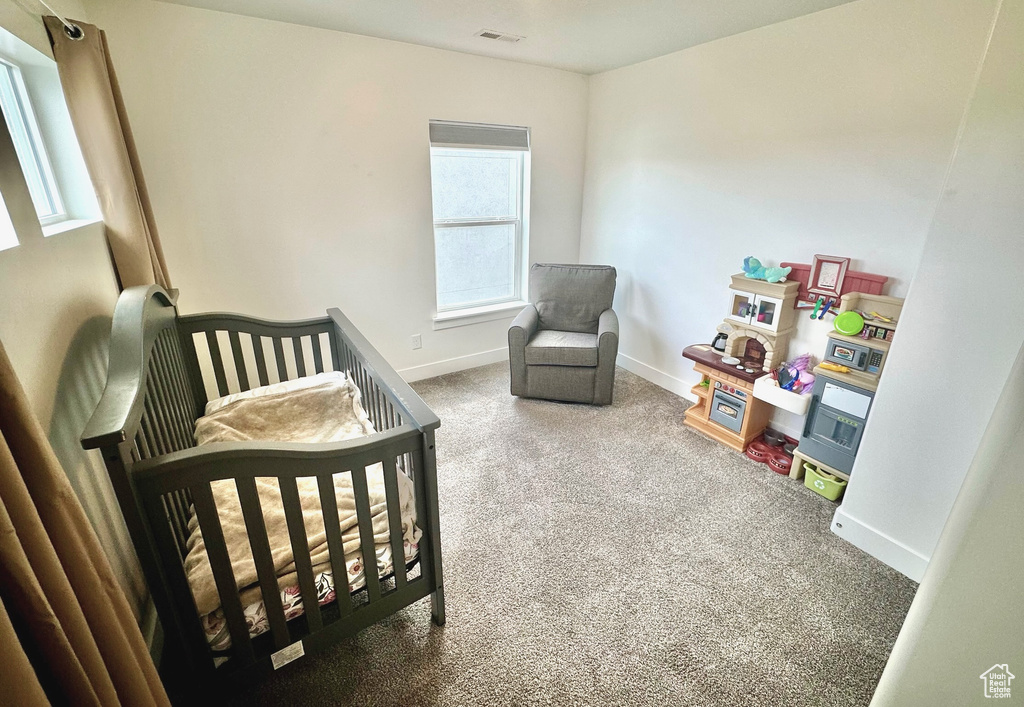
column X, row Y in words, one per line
column 849, row 323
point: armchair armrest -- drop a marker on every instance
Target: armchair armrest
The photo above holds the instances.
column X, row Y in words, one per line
column 607, row 325
column 523, row 327
column 607, row 352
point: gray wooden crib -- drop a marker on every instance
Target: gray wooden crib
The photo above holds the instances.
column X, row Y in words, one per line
column 163, row 366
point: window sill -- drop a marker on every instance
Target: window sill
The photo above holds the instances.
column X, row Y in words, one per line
column 70, row 224
column 475, row 315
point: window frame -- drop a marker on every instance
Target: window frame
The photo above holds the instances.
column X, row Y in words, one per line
column 519, row 221
column 27, row 124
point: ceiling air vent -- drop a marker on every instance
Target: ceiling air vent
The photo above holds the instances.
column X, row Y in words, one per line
column 500, row 36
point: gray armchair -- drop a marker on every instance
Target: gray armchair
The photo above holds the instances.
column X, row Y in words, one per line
column 563, row 345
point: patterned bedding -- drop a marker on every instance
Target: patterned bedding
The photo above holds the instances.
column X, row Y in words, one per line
column 216, row 629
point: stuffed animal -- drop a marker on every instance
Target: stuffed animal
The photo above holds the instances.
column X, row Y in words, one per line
column 755, row 271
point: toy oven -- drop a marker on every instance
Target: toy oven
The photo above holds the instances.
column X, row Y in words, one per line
column 857, row 356
column 728, row 409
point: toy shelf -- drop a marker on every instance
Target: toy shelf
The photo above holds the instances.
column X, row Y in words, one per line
column 865, row 282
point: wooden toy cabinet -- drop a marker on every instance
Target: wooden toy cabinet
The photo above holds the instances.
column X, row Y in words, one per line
column 759, row 321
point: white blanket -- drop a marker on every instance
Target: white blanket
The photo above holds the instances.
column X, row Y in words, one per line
column 322, row 408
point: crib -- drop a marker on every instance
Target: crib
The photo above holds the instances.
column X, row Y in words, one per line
column 163, row 369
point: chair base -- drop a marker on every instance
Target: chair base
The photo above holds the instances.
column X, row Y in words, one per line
column 569, row 384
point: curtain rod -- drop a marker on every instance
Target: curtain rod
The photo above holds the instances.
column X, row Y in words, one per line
column 71, row 30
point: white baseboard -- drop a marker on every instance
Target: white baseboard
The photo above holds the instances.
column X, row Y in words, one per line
column 451, row 365
column 879, row 545
column 659, row 378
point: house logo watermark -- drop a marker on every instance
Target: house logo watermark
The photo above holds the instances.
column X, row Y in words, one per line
column 997, row 681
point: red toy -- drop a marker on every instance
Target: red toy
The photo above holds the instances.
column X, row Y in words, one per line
column 774, row 456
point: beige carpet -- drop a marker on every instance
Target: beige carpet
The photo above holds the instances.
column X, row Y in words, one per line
column 611, row 556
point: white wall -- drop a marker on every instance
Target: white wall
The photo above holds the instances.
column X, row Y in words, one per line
column 828, row 134
column 960, row 331
column 56, row 299
column 289, row 166
column 969, row 612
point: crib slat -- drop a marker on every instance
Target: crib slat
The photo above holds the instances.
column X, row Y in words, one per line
column 147, row 429
column 142, row 443
column 252, row 511
column 218, row 362
column 183, row 506
column 318, row 356
column 159, row 437
column 332, row 527
column 333, row 341
column 192, row 371
column 282, row 369
column 366, row 544
column 414, row 469
column 394, row 503
column 375, row 396
column 186, row 403
column 179, row 590
column 300, row 359
column 236, row 353
column 220, row 562
column 176, row 405
column 300, row 551
column 163, row 404
column 157, row 400
column 190, row 408
column 172, row 519
column 261, row 360
column 179, row 522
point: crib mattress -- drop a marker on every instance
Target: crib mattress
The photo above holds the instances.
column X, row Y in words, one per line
column 320, row 408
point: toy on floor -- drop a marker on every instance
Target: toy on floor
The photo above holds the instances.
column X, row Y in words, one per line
column 771, row 449
column 755, row 271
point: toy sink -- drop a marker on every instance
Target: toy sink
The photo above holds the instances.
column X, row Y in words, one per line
column 768, row 390
column 821, row 482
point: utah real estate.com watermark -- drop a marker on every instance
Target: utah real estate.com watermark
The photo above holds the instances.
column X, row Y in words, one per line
column 997, row 680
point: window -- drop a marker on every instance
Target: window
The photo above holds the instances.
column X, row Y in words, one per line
column 479, row 176
column 21, row 122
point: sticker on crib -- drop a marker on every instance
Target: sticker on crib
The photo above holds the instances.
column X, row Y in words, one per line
column 287, row 654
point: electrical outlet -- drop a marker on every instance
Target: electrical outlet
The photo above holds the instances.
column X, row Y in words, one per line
column 417, row 341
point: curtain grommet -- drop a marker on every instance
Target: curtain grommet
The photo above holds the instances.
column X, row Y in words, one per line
column 74, row 32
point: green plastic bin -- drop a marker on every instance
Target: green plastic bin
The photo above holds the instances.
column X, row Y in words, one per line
column 821, row 482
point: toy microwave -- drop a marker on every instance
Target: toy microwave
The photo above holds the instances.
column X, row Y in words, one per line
column 857, row 356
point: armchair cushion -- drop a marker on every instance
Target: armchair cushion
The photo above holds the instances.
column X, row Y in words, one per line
column 562, row 348
column 571, row 298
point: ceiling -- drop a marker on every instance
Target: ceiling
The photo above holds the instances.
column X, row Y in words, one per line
column 585, row 36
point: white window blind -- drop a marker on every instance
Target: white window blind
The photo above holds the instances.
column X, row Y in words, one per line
column 476, row 135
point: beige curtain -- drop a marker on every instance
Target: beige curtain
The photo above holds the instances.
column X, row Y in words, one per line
column 101, row 124
column 67, row 633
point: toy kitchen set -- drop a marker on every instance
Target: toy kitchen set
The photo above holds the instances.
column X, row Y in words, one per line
column 744, row 374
